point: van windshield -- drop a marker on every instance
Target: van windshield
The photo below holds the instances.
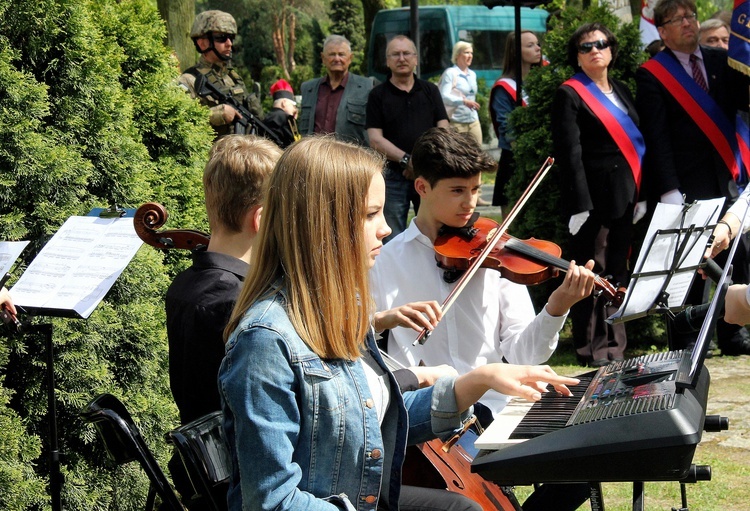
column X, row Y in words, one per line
column 440, row 27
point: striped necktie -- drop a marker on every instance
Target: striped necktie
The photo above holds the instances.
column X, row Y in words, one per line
column 697, row 73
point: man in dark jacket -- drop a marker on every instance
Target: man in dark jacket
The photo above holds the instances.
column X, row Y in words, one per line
column 681, row 92
column 282, row 119
column 336, row 103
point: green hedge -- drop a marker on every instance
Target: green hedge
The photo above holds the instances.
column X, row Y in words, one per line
column 91, row 115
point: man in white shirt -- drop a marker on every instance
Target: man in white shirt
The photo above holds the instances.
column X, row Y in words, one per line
column 493, row 319
column 737, row 301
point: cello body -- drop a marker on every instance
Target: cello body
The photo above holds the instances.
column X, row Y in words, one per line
column 428, row 465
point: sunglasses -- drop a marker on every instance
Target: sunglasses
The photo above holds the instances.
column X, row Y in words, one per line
column 222, row 38
column 587, row 47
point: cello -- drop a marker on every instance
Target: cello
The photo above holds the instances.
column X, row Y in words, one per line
column 151, row 216
column 447, row 465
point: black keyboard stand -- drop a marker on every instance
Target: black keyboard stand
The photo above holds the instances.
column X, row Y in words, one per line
column 696, row 473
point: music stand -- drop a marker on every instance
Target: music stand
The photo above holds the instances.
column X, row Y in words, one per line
column 68, row 279
column 671, row 254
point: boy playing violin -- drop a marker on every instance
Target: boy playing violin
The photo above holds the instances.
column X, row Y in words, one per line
column 493, row 319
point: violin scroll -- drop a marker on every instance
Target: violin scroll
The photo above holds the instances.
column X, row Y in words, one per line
column 151, row 216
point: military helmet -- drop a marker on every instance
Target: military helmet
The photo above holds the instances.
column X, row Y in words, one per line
column 213, row 21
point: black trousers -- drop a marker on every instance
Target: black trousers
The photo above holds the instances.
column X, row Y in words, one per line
column 546, row 497
column 414, row 498
column 607, row 242
column 505, row 168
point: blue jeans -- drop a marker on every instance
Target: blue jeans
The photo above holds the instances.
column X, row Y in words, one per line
column 399, row 196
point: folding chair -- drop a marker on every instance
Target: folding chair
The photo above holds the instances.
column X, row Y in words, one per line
column 124, row 443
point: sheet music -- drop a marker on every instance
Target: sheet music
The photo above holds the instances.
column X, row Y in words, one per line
column 9, row 252
column 78, row 266
column 657, row 256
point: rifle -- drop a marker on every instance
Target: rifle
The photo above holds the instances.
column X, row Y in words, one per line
column 248, row 123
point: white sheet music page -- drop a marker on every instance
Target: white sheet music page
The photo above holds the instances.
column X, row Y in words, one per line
column 657, row 255
column 78, row 266
column 9, row 252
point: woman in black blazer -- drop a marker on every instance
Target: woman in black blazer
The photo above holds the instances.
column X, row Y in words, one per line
column 600, row 173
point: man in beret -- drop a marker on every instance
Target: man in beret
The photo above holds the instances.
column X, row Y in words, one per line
column 282, row 119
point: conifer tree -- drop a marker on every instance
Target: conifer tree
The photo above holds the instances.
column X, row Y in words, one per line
column 92, row 116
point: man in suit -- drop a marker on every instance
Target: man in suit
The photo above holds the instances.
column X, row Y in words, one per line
column 681, row 157
column 336, row 103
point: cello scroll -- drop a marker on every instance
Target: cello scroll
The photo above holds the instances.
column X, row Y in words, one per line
column 151, row 216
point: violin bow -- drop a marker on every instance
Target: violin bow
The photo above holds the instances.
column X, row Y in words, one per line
column 477, row 264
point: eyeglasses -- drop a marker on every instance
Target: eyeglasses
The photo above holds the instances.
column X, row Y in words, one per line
column 222, row 38
column 404, row 54
column 678, row 20
column 601, row 44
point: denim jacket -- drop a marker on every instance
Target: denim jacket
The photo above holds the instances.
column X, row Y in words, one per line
column 302, row 431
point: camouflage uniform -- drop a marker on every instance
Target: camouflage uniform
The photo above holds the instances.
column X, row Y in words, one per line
column 220, row 74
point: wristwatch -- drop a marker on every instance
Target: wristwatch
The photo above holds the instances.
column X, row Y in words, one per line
column 404, row 161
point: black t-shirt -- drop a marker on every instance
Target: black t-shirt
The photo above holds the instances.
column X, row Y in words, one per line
column 404, row 116
column 198, row 305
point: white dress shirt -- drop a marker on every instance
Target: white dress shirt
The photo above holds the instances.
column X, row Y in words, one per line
column 466, row 83
column 684, row 59
column 491, row 319
column 739, row 208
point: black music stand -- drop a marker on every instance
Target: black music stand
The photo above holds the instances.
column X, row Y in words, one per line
column 671, row 255
column 673, row 252
column 676, row 241
column 68, row 290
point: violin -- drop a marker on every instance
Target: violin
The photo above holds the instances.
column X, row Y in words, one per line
column 151, row 216
column 528, row 262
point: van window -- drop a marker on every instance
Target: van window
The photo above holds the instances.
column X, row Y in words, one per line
column 489, row 48
column 441, row 27
column 434, row 40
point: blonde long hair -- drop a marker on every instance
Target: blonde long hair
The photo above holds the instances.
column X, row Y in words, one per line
column 311, row 235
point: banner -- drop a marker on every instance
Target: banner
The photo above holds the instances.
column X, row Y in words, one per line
column 739, row 37
column 649, row 33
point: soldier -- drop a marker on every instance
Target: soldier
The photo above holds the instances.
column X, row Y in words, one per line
column 213, row 33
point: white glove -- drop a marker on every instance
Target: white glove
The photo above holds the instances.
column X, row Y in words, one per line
column 639, row 211
column 672, row 197
column 576, row 221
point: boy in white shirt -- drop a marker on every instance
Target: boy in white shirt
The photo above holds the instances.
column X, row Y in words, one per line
column 493, row 319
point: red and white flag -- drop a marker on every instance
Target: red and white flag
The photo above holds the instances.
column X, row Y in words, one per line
column 649, row 33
